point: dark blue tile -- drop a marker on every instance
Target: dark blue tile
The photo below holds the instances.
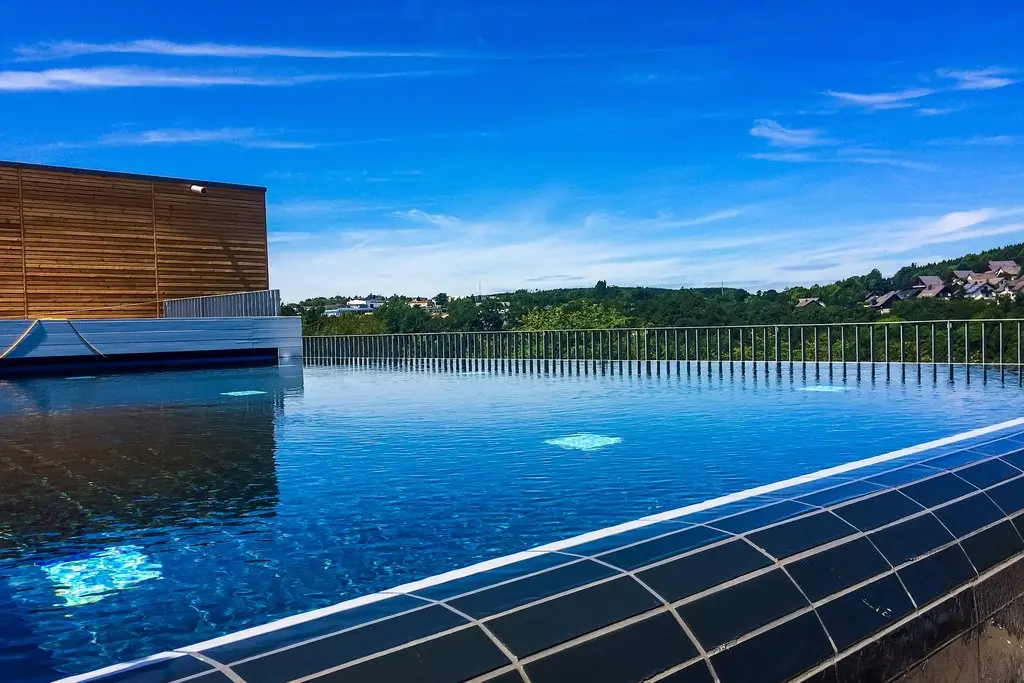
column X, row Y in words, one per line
column 243, row 649
column 531, row 588
column 801, row 534
column 938, row 490
column 807, row 488
column 955, row 460
column 732, row 612
column 662, row 548
column 479, row 580
column 160, row 671
column 877, row 511
column 855, row 489
column 833, row 570
column 903, row 475
column 700, row 571
column 885, row 657
column 910, row 539
column 625, row 538
column 1008, row 496
column 987, row 473
column 507, row 677
column 627, row 655
column 997, row 447
column 777, row 655
column 856, row 615
column 695, row 673
column 932, row 577
column 1016, row 459
column 546, row 624
column 991, row 546
column 457, row 656
column 969, row 514
column 755, row 519
column 729, row 509
column 325, row 653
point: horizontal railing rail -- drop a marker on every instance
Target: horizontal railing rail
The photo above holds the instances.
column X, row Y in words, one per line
column 263, row 303
column 986, row 344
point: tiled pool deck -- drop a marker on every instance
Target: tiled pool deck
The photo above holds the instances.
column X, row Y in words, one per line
column 853, row 573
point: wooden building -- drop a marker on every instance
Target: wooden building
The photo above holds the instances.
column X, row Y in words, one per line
column 94, row 244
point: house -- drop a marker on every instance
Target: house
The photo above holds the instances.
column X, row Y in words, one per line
column 926, row 281
column 989, row 278
column 804, row 303
column 962, row 277
column 1011, row 288
column 931, row 286
column 1004, row 268
column 978, row 290
column 367, row 305
column 422, row 302
column 883, row 303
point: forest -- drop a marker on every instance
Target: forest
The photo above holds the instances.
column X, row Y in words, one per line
column 605, row 306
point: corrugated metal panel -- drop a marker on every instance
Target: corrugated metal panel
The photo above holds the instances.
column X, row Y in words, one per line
column 265, row 303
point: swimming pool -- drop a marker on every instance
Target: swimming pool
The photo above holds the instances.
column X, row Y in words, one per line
column 142, row 513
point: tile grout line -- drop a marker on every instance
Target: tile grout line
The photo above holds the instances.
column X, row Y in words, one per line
column 631, row 573
column 778, row 565
column 222, row 668
column 505, row 650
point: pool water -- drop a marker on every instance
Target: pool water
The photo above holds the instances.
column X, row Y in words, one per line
column 146, row 512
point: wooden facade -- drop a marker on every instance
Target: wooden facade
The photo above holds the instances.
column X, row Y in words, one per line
column 93, row 244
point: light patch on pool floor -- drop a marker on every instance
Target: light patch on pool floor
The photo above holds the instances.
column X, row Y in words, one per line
column 821, row 388
column 250, row 392
column 584, row 442
column 90, row 579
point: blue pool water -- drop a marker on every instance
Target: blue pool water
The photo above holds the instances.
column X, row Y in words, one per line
column 142, row 513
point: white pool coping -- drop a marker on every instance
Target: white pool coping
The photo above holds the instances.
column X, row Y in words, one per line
column 549, row 547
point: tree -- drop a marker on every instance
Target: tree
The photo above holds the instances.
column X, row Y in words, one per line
column 441, row 299
column 575, row 315
column 399, row 317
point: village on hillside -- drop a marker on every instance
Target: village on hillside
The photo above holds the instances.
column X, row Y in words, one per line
column 1001, row 279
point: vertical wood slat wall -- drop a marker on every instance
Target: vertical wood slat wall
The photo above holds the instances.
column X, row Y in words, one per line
column 75, row 244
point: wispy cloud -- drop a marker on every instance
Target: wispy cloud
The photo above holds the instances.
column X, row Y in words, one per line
column 242, row 137
column 777, row 134
column 141, row 77
column 516, row 248
column 67, row 48
column 980, row 141
column 980, row 79
column 789, row 157
column 885, row 100
column 421, row 216
column 851, row 155
column 938, row 111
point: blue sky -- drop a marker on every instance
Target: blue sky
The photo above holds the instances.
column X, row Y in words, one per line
column 456, row 145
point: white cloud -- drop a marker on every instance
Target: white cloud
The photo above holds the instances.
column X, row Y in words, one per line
column 64, row 49
column 787, row 157
column 431, row 218
column 980, row 79
column 938, row 111
column 778, row 135
column 981, row 141
column 528, row 249
column 885, row 100
column 851, row 155
column 141, row 77
column 242, row 137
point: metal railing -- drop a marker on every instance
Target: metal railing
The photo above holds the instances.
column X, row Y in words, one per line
column 984, row 345
column 263, row 303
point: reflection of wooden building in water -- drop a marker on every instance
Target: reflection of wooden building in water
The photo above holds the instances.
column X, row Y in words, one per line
column 84, row 472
